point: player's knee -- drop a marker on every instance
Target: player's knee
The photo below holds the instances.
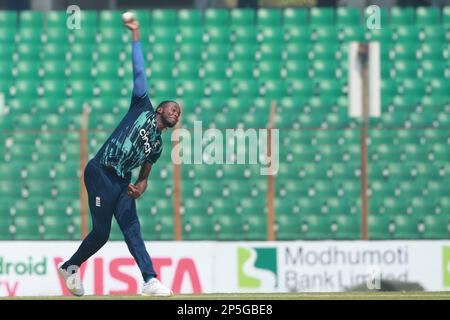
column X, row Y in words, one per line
column 102, row 235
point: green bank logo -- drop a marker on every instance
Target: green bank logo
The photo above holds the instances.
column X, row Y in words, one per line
column 446, row 266
column 257, row 268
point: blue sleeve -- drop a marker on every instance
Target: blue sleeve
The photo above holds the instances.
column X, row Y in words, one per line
column 139, row 80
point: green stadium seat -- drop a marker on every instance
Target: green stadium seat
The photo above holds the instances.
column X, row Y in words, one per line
column 162, row 18
column 161, row 228
column 427, row 16
column 188, row 52
column 164, row 88
column 436, row 227
column 323, row 51
column 216, row 52
column 163, row 34
column 298, row 34
column 54, row 52
column 4, row 229
column 89, row 19
column 404, row 51
column 113, row 35
column 6, row 55
column 325, row 34
column 55, row 20
column 31, row 19
column 295, row 52
column 274, row 89
column 106, row 69
column 25, row 229
column 272, row 35
column 405, row 69
column 254, row 226
column 268, row 17
column 8, row 18
column 242, row 18
column 295, row 17
column 434, row 69
column 446, row 16
column 406, row 227
column 347, row 17
column 297, row 71
column 352, row 34
column 144, row 17
column 315, row 227
column 380, row 227
column 433, row 34
column 191, row 35
column 229, row 227
column 27, row 70
column 324, row 69
column 214, row 70
column 55, row 228
column 406, row 34
column 243, row 35
column 25, row 88
column 83, row 37
column 189, row 18
column 402, row 16
column 320, row 16
column 243, row 52
column 187, row 70
column 109, row 18
column 269, row 70
column 191, row 88
column 56, row 36
column 218, row 35
column 346, row 227
column 268, row 52
column 431, row 51
column 383, row 35
column 161, row 70
column 27, row 51
column 216, row 17
column 198, row 226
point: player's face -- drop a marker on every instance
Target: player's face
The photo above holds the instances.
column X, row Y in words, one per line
column 171, row 114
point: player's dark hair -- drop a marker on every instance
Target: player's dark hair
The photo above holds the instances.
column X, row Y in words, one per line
column 165, row 103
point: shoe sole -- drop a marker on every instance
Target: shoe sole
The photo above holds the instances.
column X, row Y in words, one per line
column 157, row 295
column 61, row 273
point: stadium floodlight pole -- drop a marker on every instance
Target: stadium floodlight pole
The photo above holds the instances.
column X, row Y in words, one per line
column 270, row 178
column 363, row 56
column 83, row 162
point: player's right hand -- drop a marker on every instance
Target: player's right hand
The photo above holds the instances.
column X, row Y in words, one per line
column 132, row 25
column 133, row 191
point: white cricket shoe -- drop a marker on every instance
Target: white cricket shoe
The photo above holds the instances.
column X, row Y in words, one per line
column 72, row 281
column 155, row 288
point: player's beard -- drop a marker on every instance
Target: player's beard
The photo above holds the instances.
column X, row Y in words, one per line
column 167, row 123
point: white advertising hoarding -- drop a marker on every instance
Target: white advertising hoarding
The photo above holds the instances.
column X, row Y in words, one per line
column 29, row 268
column 327, row 266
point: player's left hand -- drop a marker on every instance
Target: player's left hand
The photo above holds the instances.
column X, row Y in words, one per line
column 134, row 191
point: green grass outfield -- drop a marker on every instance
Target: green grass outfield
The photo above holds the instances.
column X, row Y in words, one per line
column 266, row 296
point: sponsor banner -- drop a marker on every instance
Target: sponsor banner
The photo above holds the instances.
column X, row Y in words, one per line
column 330, row 266
column 29, row 268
